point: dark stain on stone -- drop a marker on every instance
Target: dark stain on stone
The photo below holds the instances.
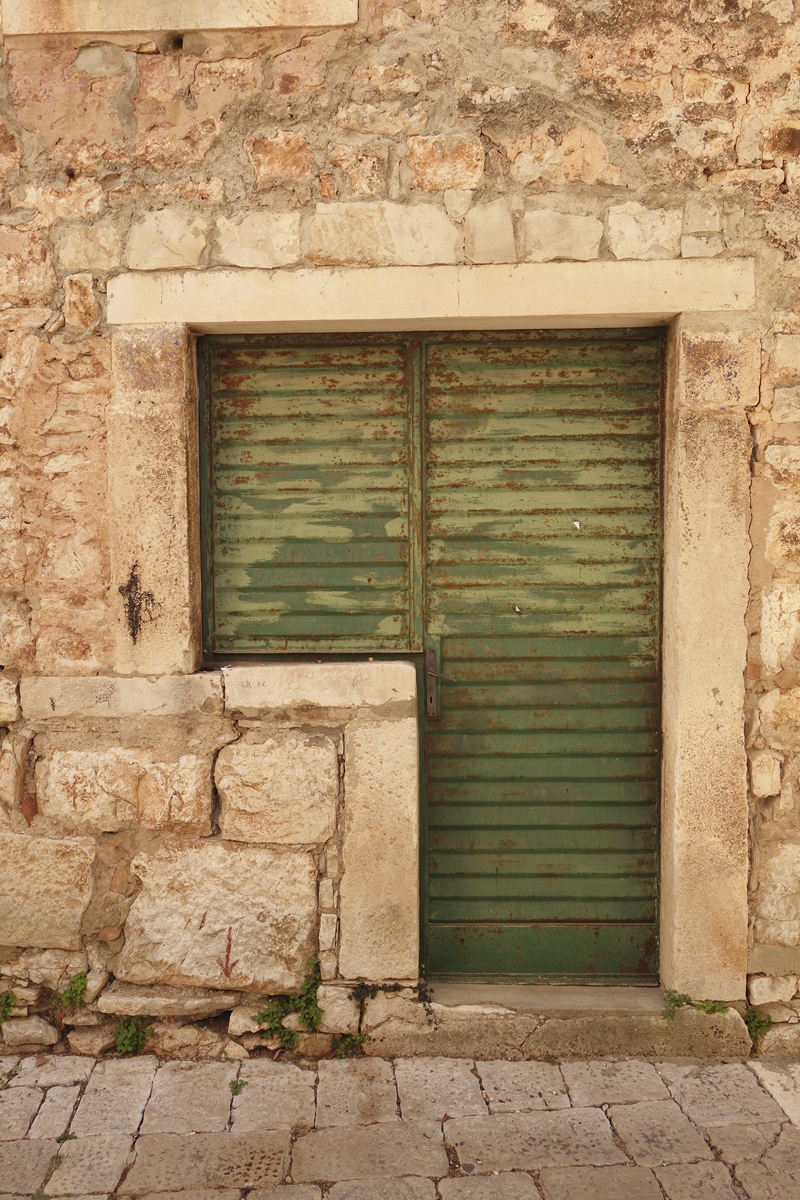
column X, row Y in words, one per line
column 138, row 603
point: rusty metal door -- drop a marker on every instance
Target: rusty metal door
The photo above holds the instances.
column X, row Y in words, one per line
column 542, row 569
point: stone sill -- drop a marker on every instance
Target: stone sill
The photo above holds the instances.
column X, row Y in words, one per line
column 553, row 1000
column 25, row 18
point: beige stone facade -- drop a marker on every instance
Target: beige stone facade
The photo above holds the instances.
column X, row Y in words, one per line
column 316, row 165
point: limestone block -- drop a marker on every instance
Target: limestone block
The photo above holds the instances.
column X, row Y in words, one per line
column 765, row 773
column 80, row 307
column 283, row 790
column 770, row 989
column 783, row 535
column 52, row 968
column 29, row 1031
column 785, row 360
column 252, row 690
column 638, row 232
column 93, row 1042
column 13, row 753
column 777, row 918
column 783, row 463
column 364, row 173
column 780, row 719
column 388, row 120
column 693, row 246
column 701, row 216
column 441, row 163
column 45, row 889
column 259, row 239
column 172, row 695
column 748, row 143
column 780, row 623
column 24, row 318
column 127, row 1000
column 328, row 930
column 117, row 789
column 80, row 198
column 26, row 268
column 340, row 1011
column 550, row 234
column 15, row 369
column 286, row 156
column 719, row 370
column 457, row 202
column 243, row 1020
column 786, row 405
column 221, row 915
column 379, row 892
column 13, row 557
column 378, row 233
column 9, row 704
column 165, row 240
column 533, row 15
column 89, row 248
column 490, row 234
column 584, row 158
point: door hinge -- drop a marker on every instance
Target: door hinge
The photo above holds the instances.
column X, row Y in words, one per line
column 431, row 688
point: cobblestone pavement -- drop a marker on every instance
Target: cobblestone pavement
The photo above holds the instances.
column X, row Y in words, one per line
column 411, row 1129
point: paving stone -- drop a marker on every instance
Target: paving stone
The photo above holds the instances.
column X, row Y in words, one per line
column 190, row 1098
column 738, row 1143
column 762, row 1184
column 7, row 1064
column 371, row 1151
column 511, row 1186
column 593, row 1083
column 286, row 1191
column 657, row 1133
column 521, row 1141
column 115, row 1097
column 711, row 1181
column 522, row 1086
column 18, row 1107
column 24, row 1165
column 430, row 1088
column 206, row 1195
column 380, row 1189
column 169, row 1161
column 54, row 1115
column 277, row 1096
column 94, row 1196
column 90, row 1164
column 600, row 1183
column 727, row 1094
column 355, row 1092
column 782, row 1081
column 56, row 1071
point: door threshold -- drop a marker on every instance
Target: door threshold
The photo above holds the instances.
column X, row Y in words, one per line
column 551, row 999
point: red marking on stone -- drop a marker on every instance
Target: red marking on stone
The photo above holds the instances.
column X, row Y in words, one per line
column 227, row 966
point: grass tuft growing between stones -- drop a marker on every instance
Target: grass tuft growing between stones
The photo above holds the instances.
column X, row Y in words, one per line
column 758, row 1023
column 237, row 1086
column 130, row 1036
column 348, row 1044
column 304, row 1003
column 674, row 1000
column 73, row 993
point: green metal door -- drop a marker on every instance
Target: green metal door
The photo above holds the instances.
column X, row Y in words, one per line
column 493, row 501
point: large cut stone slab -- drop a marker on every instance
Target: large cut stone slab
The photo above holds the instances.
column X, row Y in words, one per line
column 709, row 1180
column 430, row 1088
column 54, row 1115
column 169, row 1162
column 45, row 888
column 512, row 1186
column 18, row 1107
column 599, row 1183
column 596, row 1083
column 727, row 1094
column 115, row 1097
column 24, row 1165
column 63, row 1070
column 370, row 1152
column 128, row 1000
column 190, row 1098
column 357, row 1091
column 376, row 1189
column 739, row 1143
column 221, row 914
column 253, row 690
column 90, row 1164
column 782, row 1081
column 378, row 233
column 276, row 1096
column 282, row 790
column 45, row 697
column 522, row 1086
column 657, row 1134
column 116, row 789
column 525, row 1141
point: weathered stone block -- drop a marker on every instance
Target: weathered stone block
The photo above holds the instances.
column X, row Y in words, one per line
column 89, row 248
column 769, row 989
column 550, row 234
column 127, row 1000
column 164, row 240
column 253, row 690
column 785, row 360
column 638, row 232
column 81, row 310
column 379, row 892
column 117, row 789
column 765, row 773
column 13, row 753
column 786, row 405
column 53, row 968
column 340, row 1011
column 439, row 163
column 29, row 1031
column 26, row 269
column 778, row 899
column 719, row 370
column 381, row 234
column 222, row 915
column 286, row 156
column 45, row 889
column 490, row 234
column 780, row 719
column 259, row 239
column 167, row 1161
column 9, row 704
column 283, row 790
column 172, row 695
column 780, row 623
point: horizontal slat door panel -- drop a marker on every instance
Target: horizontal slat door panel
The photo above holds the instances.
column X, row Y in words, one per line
column 542, row 594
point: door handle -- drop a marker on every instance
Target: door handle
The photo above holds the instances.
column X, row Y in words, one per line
column 431, row 690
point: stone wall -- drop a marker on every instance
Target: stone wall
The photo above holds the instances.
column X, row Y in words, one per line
column 427, row 132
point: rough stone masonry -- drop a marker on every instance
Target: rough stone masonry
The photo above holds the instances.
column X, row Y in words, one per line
column 162, row 833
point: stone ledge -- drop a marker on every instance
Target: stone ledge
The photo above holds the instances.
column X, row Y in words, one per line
column 46, row 697
column 26, row 17
column 128, row 1000
column 251, row 690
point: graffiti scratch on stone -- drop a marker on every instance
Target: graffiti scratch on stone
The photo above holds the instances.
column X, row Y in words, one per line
column 138, row 603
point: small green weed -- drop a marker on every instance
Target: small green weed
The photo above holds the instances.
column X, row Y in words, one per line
column 7, row 1002
column 66, row 1137
column 348, row 1044
column 672, row 1002
column 711, row 1006
column 5, row 1080
column 304, row 1003
column 130, row 1036
column 757, row 1022
column 237, row 1086
column 363, row 992
column 75, row 990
